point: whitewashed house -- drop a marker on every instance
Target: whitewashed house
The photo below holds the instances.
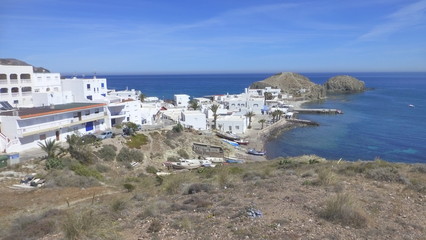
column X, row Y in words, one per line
column 16, row 82
column 181, row 100
column 232, row 124
column 193, row 119
column 125, row 94
column 24, row 128
column 86, row 89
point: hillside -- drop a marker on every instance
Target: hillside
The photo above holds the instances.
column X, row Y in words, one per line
column 294, row 84
column 303, row 197
column 344, row 84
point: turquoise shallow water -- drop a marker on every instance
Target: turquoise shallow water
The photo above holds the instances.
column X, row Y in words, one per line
column 376, row 123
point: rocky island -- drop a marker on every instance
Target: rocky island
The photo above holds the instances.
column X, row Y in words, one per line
column 344, row 84
column 294, row 84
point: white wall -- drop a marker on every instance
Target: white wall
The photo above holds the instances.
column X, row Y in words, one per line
column 194, row 119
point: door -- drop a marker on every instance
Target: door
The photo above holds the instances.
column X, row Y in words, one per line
column 57, row 135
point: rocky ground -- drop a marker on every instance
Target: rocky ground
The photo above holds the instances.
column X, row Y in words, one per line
column 304, row 197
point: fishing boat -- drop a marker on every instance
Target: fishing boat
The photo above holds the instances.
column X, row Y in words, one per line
column 242, row 142
column 233, row 160
column 228, row 136
column 255, row 152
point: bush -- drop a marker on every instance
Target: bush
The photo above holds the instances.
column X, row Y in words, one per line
column 182, row 153
column 54, row 163
column 199, row 187
column 129, row 187
column 325, row 177
column 82, row 170
column 35, row 226
column 107, row 152
column 137, row 141
column 151, row 169
column 82, row 153
column 388, row 174
column 342, row 209
column 66, row 178
column 118, row 205
column 129, row 155
column 178, row 128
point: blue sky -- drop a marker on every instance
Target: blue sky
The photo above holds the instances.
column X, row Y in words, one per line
column 215, row 36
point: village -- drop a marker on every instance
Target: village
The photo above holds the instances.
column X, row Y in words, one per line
column 38, row 106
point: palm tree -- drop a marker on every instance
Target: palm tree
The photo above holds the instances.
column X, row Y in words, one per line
column 142, row 97
column 274, row 115
column 249, row 115
column 279, row 114
column 262, row 121
column 194, row 104
column 214, row 109
column 50, row 147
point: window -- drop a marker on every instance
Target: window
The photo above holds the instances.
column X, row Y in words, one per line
column 87, row 112
column 102, row 85
column 88, row 86
column 89, row 97
column 237, row 127
column 230, row 128
column 13, row 76
column 36, row 90
column 103, row 94
column 75, row 114
column 97, row 110
column 42, row 136
column 15, row 101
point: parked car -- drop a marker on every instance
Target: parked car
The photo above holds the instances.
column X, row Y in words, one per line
column 104, row 135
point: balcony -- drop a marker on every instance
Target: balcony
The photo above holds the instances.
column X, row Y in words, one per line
column 3, row 81
column 54, row 125
column 13, row 81
column 25, row 80
column 121, row 114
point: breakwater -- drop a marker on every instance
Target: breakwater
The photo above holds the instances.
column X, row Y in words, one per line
column 319, row 111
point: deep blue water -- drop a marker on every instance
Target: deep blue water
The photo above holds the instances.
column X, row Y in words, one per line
column 376, row 123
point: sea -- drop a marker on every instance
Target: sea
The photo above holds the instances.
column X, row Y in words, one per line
column 388, row 121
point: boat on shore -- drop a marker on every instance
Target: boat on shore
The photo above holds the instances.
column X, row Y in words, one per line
column 255, row 152
column 228, row 136
column 242, row 142
column 233, row 160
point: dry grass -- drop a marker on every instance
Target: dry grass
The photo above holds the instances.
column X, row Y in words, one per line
column 342, row 209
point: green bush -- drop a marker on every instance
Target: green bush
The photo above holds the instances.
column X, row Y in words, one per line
column 129, row 155
column 83, row 154
column 85, row 171
column 129, row 187
column 151, row 169
column 182, row 153
column 107, row 152
column 178, row 128
column 137, row 141
column 54, row 163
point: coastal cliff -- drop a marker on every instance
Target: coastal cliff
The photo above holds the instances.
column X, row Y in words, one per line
column 344, row 83
column 294, row 84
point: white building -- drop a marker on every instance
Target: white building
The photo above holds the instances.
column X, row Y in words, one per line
column 193, row 119
column 244, row 103
column 181, row 100
column 233, row 124
column 22, row 129
column 126, row 94
column 16, row 82
column 86, row 89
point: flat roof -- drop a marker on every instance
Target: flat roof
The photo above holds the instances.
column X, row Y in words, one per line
column 48, row 110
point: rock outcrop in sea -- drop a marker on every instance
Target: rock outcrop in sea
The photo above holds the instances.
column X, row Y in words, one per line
column 294, row 84
column 344, row 84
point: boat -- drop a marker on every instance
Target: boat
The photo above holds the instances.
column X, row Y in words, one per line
column 228, row 136
column 242, row 142
column 215, row 159
column 255, row 152
column 185, row 165
column 411, row 105
column 233, row 160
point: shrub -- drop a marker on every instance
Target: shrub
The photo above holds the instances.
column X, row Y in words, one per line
column 182, row 153
column 77, row 225
column 34, row 226
column 342, row 209
column 54, row 163
column 129, row 155
column 129, row 187
column 178, row 128
column 151, row 169
column 388, row 174
column 102, row 168
column 107, row 152
column 421, row 168
column 82, row 170
column 83, row 153
column 325, row 177
column 199, row 187
column 118, row 205
column 66, row 178
column 137, row 141
column 155, row 226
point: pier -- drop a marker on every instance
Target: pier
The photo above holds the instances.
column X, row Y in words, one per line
column 319, row 111
column 302, row 121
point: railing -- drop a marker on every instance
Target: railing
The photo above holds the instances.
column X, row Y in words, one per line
column 118, row 113
column 26, row 93
column 25, row 80
column 13, row 81
column 57, row 124
column 3, row 81
column 15, row 94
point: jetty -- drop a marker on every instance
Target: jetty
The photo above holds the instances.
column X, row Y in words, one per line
column 302, row 121
column 319, row 110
